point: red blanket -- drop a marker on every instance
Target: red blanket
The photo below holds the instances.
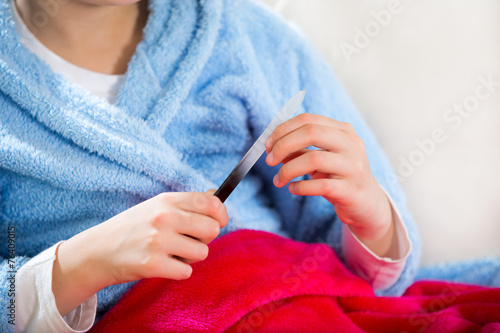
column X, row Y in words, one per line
column 256, row 281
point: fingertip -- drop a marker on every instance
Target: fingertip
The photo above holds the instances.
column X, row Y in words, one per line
column 188, row 271
column 225, row 222
column 292, row 188
column 268, row 144
column 211, row 191
column 225, row 219
column 216, row 232
column 180, row 270
column 269, row 159
column 276, row 180
column 204, row 253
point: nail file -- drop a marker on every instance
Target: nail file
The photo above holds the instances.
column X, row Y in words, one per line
column 258, row 148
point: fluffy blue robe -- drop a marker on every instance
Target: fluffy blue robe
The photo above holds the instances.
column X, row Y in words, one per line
column 203, row 84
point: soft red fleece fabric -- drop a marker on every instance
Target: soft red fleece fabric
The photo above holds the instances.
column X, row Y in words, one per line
column 256, row 281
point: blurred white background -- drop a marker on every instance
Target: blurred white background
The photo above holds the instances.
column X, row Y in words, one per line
column 410, row 66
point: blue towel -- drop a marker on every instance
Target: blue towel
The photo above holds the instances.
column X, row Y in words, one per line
column 484, row 272
column 205, row 81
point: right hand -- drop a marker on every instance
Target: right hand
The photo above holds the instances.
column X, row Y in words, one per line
column 159, row 237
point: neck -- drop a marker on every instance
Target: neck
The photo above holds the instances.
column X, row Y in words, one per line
column 99, row 38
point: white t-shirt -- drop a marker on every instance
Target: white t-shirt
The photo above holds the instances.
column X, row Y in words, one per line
column 103, row 85
column 38, row 311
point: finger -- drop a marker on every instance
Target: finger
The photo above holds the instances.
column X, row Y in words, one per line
column 295, row 155
column 175, row 269
column 320, row 136
column 198, row 226
column 333, row 189
column 187, row 248
column 205, row 204
column 299, row 121
column 211, row 191
column 335, row 165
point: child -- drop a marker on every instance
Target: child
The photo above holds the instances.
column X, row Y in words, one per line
column 116, row 117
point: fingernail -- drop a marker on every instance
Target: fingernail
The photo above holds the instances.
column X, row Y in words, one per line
column 291, row 188
column 276, row 180
column 270, row 158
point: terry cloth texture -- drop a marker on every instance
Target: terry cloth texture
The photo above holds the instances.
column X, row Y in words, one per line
column 485, row 272
column 247, row 285
column 205, row 81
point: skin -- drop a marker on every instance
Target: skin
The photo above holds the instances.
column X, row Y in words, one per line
column 339, row 172
column 162, row 236
column 158, row 238
column 100, row 36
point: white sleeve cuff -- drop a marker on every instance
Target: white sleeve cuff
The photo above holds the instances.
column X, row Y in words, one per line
column 37, row 306
column 381, row 272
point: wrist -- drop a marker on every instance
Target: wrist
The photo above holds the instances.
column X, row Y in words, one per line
column 378, row 233
column 76, row 275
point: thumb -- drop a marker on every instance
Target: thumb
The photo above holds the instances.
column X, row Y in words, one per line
column 211, row 191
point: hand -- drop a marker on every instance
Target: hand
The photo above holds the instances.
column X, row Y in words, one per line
column 162, row 236
column 157, row 238
column 339, row 172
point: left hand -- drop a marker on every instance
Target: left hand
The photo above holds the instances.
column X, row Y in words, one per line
column 339, row 172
